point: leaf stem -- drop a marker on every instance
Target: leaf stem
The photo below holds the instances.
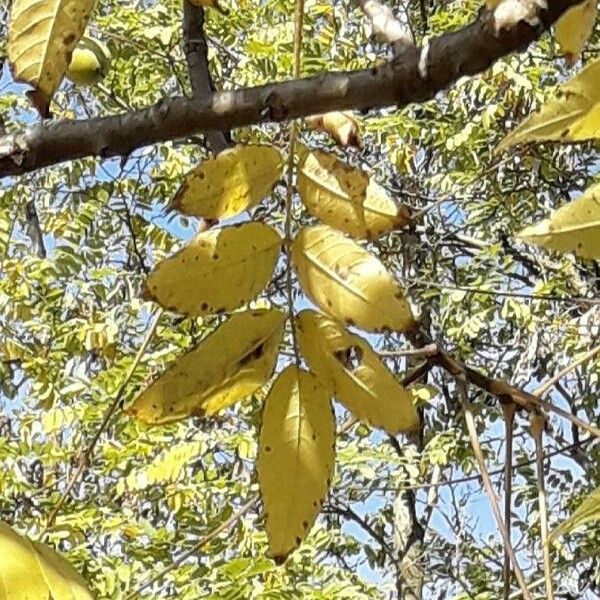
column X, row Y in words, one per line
column 289, row 201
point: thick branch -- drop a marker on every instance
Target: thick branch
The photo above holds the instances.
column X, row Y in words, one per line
column 196, row 55
column 410, row 77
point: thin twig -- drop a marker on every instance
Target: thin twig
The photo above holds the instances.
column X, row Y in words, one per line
column 508, row 293
column 85, row 456
column 508, row 410
column 209, row 537
column 537, row 429
column 487, row 484
column 576, row 363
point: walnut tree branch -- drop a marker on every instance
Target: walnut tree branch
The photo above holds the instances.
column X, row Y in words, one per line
column 196, row 56
column 413, row 76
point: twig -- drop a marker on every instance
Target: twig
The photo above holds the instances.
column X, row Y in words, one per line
column 209, row 537
column 576, row 363
column 487, row 484
column 508, row 410
column 537, row 430
column 508, row 293
column 85, row 456
column 196, row 56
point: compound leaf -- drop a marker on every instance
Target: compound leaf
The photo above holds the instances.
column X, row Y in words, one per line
column 346, row 198
column 233, row 181
column 348, row 368
column 347, row 282
column 228, row 365
column 218, row 271
column 295, row 458
column 41, row 38
column 575, row 227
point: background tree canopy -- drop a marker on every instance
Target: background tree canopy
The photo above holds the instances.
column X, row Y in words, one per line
column 204, row 179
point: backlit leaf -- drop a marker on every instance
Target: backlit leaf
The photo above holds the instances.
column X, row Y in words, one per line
column 167, row 467
column 588, row 511
column 218, row 271
column 233, row 181
column 32, row 571
column 40, row 54
column 347, row 282
column 575, row 227
column 228, row 365
column 295, row 458
column 575, row 27
column 340, row 125
column 347, row 198
column 573, row 115
column 348, row 368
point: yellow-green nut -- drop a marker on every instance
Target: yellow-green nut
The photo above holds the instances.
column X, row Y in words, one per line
column 90, row 62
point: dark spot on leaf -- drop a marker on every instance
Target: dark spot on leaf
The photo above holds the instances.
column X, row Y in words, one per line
column 204, row 306
column 69, row 39
column 305, row 524
column 215, row 256
column 252, row 355
column 314, row 436
column 298, row 540
column 267, row 448
column 315, row 503
column 279, row 560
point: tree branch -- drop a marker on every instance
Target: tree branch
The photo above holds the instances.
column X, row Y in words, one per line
column 196, row 56
column 413, row 76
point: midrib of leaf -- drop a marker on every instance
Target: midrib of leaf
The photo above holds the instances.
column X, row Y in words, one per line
column 565, row 230
column 332, row 275
column 345, row 197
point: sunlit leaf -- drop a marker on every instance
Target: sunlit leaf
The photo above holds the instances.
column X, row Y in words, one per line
column 347, row 282
column 572, row 115
column 346, row 198
column 587, row 512
column 230, row 364
column 575, row 227
column 32, row 571
column 348, row 368
column 165, row 468
column 575, row 27
column 341, row 126
column 233, row 181
column 218, row 271
column 40, row 54
column 295, row 458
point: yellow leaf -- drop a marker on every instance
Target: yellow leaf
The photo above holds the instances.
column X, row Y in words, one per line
column 218, row 271
column 588, row 511
column 575, row 27
column 341, row 126
column 167, row 467
column 230, row 364
column 348, row 368
column 348, row 283
column 575, row 227
column 41, row 37
column 347, row 198
column 233, row 181
column 573, row 115
column 31, row 571
column 295, row 458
